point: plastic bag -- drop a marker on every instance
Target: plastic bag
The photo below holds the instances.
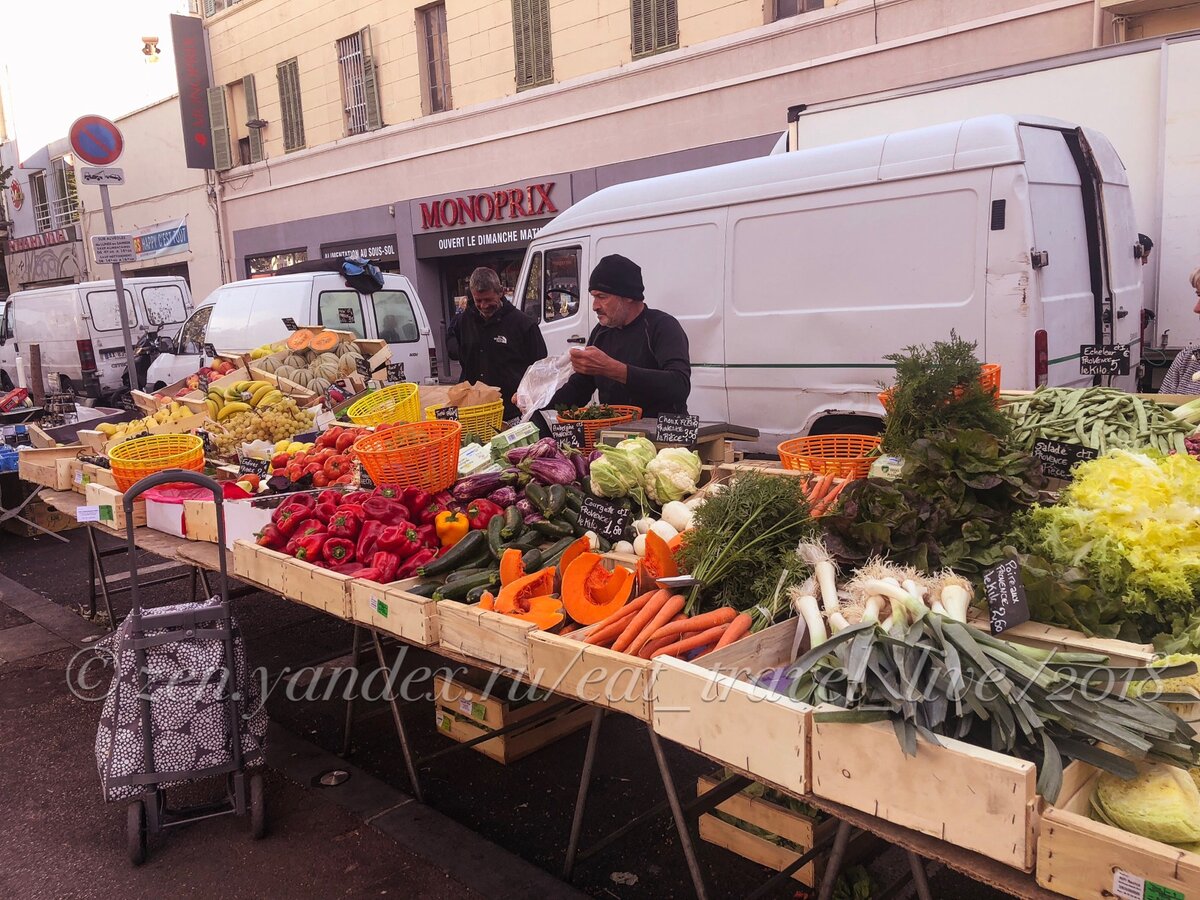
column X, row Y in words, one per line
column 542, row 380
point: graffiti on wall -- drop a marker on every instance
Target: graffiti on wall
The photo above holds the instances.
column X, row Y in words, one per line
column 47, row 264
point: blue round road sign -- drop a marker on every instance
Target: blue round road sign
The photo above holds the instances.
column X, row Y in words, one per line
column 96, row 140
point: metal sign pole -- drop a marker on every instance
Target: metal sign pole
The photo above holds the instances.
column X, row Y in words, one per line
column 130, row 366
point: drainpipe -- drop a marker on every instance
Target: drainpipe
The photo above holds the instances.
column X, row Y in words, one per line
column 1097, row 25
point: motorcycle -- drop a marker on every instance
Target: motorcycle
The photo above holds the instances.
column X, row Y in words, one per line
column 147, row 349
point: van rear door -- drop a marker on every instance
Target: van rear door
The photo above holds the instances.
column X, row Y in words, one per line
column 396, row 318
column 108, row 340
column 164, row 307
column 553, row 292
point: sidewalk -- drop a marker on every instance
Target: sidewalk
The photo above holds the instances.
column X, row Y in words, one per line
column 60, row 839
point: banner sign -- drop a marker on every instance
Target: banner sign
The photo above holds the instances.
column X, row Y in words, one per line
column 161, row 239
column 191, row 71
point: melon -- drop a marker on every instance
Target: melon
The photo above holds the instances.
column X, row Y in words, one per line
column 295, row 361
column 284, row 371
column 345, row 348
column 348, row 365
column 325, row 370
column 303, row 377
column 327, row 358
column 268, row 364
column 299, row 340
column 319, row 385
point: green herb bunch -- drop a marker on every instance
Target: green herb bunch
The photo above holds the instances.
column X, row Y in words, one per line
column 938, row 389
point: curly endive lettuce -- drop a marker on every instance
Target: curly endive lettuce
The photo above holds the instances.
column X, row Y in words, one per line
column 1131, row 521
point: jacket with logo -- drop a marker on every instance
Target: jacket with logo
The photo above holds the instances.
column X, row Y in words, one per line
column 496, row 351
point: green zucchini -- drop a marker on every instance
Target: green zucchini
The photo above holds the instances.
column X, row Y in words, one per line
column 531, row 560
column 527, row 541
column 424, row 589
column 495, row 536
column 552, row 554
column 574, row 498
column 458, row 590
column 605, row 543
column 475, row 595
column 571, row 517
column 556, row 500
column 460, row 574
column 539, row 497
column 465, row 552
column 551, row 529
column 513, row 525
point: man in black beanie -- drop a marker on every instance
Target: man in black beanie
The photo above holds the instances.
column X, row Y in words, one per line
column 635, row 356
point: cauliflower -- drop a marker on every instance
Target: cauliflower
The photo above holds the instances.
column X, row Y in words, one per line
column 672, row 474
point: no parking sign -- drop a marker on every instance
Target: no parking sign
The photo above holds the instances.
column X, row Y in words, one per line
column 96, row 140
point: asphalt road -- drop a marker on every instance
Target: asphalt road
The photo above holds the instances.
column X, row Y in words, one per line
column 523, row 807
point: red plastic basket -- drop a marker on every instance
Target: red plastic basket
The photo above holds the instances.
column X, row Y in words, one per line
column 420, row 454
column 593, row 427
column 989, row 377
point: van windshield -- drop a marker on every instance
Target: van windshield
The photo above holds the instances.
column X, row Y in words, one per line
column 105, row 315
column 164, row 304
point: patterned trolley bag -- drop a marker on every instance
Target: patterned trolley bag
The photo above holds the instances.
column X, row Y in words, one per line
column 182, row 705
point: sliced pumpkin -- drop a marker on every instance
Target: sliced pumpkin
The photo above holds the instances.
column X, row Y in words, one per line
column 323, row 341
column 511, row 566
column 487, row 600
column 591, row 593
column 659, row 562
column 514, row 596
column 544, row 612
column 299, row 340
column 580, row 545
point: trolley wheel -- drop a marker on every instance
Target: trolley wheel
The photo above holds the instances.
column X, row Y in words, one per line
column 135, row 832
column 258, row 808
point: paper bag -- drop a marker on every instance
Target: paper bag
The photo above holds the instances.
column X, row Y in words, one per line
column 472, row 394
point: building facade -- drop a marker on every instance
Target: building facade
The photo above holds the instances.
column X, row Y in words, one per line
column 439, row 137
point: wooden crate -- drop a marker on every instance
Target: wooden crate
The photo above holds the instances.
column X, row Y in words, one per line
column 75, row 476
column 1054, row 637
column 292, row 578
column 112, row 508
column 94, row 474
column 100, row 444
column 977, row 799
column 796, row 827
column 392, row 609
column 1080, row 857
column 43, row 467
column 712, row 706
column 564, row 663
column 484, row 635
column 463, row 711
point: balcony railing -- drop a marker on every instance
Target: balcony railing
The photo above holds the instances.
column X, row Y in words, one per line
column 41, row 216
column 65, row 211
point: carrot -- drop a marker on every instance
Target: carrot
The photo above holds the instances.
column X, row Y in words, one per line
column 665, row 614
column 696, row 640
column 640, row 619
column 650, row 646
column 722, row 616
column 567, row 629
column 609, row 628
column 736, row 629
column 821, row 488
column 825, row 505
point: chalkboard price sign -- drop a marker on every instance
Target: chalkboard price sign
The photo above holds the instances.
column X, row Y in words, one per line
column 363, row 367
column 210, row 351
column 674, row 428
column 1005, row 595
column 204, row 384
column 364, row 480
column 1059, row 457
column 605, row 519
column 250, row 466
column 446, row 413
column 395, row 373
column 568, row 434
column 1102, row 359
column 289, row 323
column 210, row 448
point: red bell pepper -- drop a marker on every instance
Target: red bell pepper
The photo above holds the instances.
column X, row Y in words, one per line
column 369, row 574
column 338, row 550
column 270, row 537
column 355, row 497
column 388, row 492
column 403, row 540
column 307, row 528
column 345, row 523
column 350, row 568
column 381, row 509
column 366, row 539
column 429, row 536
column 309, row 548
column 305, row 499
column 329, row 496
column 338, row 465
column 412, row 565
column 427, row 514
column 480, row 512
column 325, row 511
column 415, row 498
column 387, row 564
column 288, row 516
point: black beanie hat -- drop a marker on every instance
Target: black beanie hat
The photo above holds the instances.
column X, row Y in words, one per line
column 619, row 276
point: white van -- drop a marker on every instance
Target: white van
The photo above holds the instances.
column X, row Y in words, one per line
column 242, row 315
column 795, row 274
column 78, row 329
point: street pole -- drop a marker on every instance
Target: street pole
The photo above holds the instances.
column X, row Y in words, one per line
column 130, row 366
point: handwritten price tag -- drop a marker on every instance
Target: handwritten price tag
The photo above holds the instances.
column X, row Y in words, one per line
column 605, row 519
column 1005, row 593
column 674, row 428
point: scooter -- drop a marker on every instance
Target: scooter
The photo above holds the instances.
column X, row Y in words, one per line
column 147, row 349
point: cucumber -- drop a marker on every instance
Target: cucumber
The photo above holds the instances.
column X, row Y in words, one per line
column 552, row 529
column 556, row 500
column 458, row 590
column 465, row 552
column 514, row 524
column 495, row 536
column 424, row 589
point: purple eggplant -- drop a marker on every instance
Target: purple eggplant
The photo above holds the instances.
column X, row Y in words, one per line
column 582, row 466
column 475, row 486
column 543, row 448
column 504, row 497
column 534, row 517
column 526, row 508
column 552, row 471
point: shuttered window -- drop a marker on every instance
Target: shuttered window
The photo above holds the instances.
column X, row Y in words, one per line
column 360, row 84
column 437, row 57
column 786, row 8
column 254, row 131
column 218, row 116
column 291, row 113
column 655, row 26
column 531, row 43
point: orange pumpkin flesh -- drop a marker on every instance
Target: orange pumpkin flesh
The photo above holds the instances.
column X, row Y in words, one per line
column 299, row 340
column 659, row 562
column 511, row 567
column 544, row 612
column 323, row 341
column 591, row 593
column 487, row 600
column 514, row 595
column 581, row 545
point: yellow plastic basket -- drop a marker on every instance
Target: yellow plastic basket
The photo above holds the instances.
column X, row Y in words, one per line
column 134, row 460
column 422, row 454
column 394, row 403
column 485, row 420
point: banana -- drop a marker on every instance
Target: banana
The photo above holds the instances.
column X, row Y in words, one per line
column 107, row 429
column 217, row 397
column 231, row 409
column 268, row 398
column 213, row 409
column 260, row 390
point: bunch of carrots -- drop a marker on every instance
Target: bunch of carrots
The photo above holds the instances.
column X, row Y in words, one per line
column 821, row 492
column 654, row 625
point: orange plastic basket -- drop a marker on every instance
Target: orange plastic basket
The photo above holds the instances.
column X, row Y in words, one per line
column 134, row 460
column 989, row 377
column 394, row 403
column 846, row 455
column 421, row 454
column 484, row 420
column 593, row 427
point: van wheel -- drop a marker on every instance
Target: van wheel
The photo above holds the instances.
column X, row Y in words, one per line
column 5, row 382
column 847, row 425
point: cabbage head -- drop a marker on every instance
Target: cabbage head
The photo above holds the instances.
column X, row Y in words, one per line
column 1162, row 803
column 619, row 470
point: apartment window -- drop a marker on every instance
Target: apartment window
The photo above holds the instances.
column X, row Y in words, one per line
column 655, row 26
column 360, row 87
column 786, row 8
column 290, row 110
column 436, row 62
column 65, row 206
column 212, row 7
column 41, row 201
column 531, row 43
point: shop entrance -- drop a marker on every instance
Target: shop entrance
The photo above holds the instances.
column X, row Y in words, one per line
column 456, row 272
